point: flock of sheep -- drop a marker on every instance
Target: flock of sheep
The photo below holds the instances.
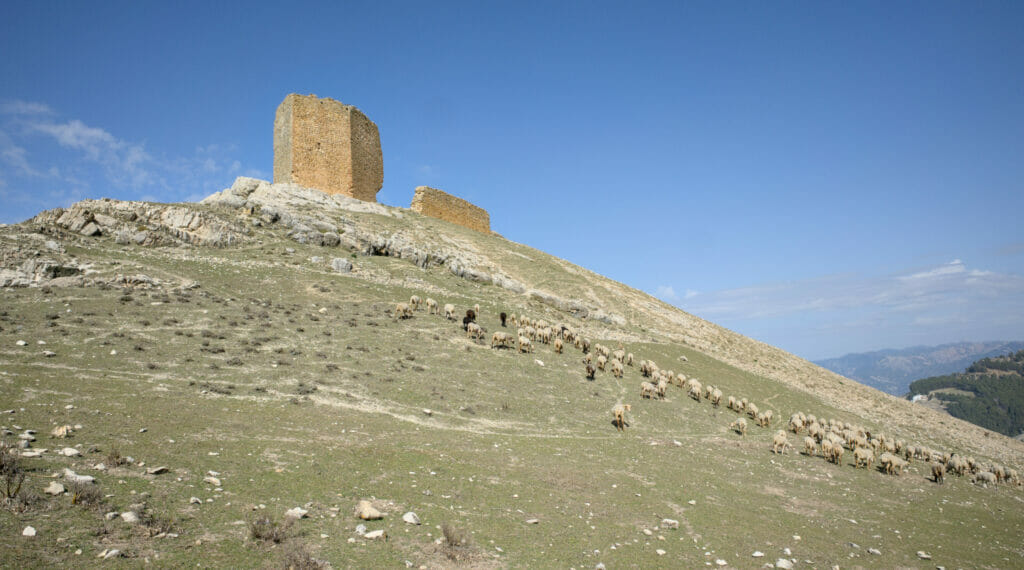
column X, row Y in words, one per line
column 828, row 438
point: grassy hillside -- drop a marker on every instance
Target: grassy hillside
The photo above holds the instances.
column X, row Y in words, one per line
column 990, row 393
column 296, row 387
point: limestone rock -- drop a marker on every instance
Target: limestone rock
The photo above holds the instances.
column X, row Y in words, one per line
column 130, row 517
column 376, row 534
column 212, row 480
column 784, row 563
column 76, row 478
column 54, row 488
column 669, row 523
column 29, row 531
column 366, row 511
column 411, row 518
column 341, row 265
column 157, row 470
column 296, row 513
column 70, row 452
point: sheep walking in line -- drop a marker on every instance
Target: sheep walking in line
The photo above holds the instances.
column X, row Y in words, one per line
column 695, row 388
column 502, row 340
column 716, row 397
column 601, row 362
column 661, row 388
column 414, row 302
column 810, row 446
column 629, row 359
column 403, row 311
column 937, row 473
column 740, row 425
column 619, row 415
column 647, row 390
column 525, row 345
column 558, row 345
column 752, row 410
column 590, row 371
column 432, row 308
column 616, row 368
column 449, row 312
column 863, row 457
column 779, row 442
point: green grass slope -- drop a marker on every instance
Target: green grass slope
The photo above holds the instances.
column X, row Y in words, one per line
column 297, row 387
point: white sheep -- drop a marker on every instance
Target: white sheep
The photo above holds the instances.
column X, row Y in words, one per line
column 695, row 389
column 716, row 397
column 403, row 311
column 619, row 415
column 810, row 446
column 601, row 361
column 863, row 456
column 501, row 339
column 525, row 345
column 432, row 308
column 662, row 387
column 740, row 425
column 985, row 477
column 449, row 312
column 474, row 331
column 476, row 309
column 558, row 345
column 616, row 368
column 752, row 410
column 647, row 390
column 619, row 355
column 414, row 302
column 779, row 442
column 629, row 359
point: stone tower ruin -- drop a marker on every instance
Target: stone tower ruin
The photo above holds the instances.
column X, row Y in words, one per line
column 327, row 145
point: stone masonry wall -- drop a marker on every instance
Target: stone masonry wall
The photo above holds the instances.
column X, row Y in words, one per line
column 437, row 204
column 327, row 145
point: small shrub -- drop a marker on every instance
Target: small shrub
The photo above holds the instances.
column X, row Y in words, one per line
column 87, row 494
column 114, row 458
column 264, row 528
column 234, row 361
column 296, row 556
column 11, row 470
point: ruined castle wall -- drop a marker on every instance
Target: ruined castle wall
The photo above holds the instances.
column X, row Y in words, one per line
column 438, row 204
column 327, row 145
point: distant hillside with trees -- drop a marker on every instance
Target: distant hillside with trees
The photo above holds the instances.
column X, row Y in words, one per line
column 990, row 393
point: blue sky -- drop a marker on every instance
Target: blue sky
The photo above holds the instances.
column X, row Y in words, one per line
column 824, row 177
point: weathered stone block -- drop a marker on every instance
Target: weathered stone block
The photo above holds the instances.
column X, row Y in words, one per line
column 438, row 204
column 327, row 145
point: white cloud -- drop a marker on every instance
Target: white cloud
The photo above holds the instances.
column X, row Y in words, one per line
column 666, row 292
column 25, row 108
column 952, row 268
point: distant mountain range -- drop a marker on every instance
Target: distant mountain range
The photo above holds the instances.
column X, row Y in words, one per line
column 893, row 370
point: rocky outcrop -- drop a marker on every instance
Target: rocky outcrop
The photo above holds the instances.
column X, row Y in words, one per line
column 142, row 223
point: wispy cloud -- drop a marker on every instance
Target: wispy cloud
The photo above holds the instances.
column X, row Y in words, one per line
column 950, row 299
column 25, row 108
column 666, row 292
column 52, row 160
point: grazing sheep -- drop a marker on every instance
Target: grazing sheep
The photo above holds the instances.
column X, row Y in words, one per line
column 765, row 418
column 616, row 368
column 984, row 477
column 558, row 345
column 590, row 371
column 619, row 355
column 476, row 308
column 891, row 464
column 585, row 345
column 810, row 446
column 779, row 442
column 474, row 331
column 629, row 359
column 647, row 390
column 740, row 425
column 601, row 361
column 937, row 473
column 645, row 369
column 796, row 423
column 833, row 451
column 588, row 358
column 502, row 340
column 619, row 413
column 680, row 379
column 716, row 397
column 449, row 312
column 695, row 389
column 403, row 311
column 662, row 387
column 731, row 403
column 432, row 308
column 743, row 405
column 414, row 302
column 863, row 456
column 752, row 410
column 525, row 345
